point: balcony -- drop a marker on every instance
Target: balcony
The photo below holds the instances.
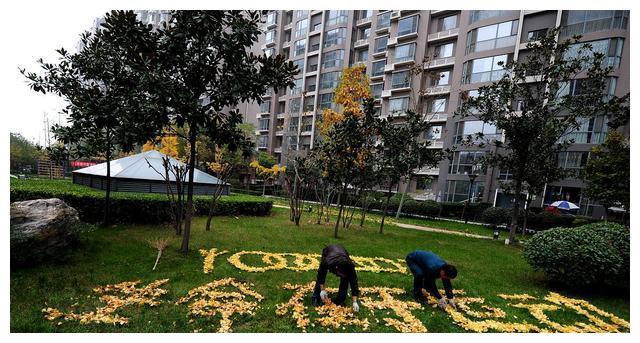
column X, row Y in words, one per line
column 361, row 43
column 443, row 35
column 277, row 150
column 363, row 21
column 440, row 62
column 437, row 90
column 286, row 44
column 436, row 144
column 406, row 36
column 280, row 115
column 436, row 117
column 428, row 171
column 315, row 30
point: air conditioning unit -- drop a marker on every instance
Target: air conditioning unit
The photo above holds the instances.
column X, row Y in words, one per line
column 395, row 14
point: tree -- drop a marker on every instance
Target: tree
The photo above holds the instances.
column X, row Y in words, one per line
column 109, row 89
column 208, row 67
column 297, row 178
column 23, row 154
column 400, row 151
column 345, row 145
column 537, row 103
column 266, row 167
column 607, row 172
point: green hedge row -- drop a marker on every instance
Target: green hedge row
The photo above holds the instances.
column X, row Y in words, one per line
column 428, row 208
column 537, row 220
column 136, row 208
column 592, row 254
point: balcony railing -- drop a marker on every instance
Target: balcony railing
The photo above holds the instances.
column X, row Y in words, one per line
column 363, row 21
column 435, row 90
column 314, row 47
column 312, row 68
column 443, row 34
column 361, row 43
column 440, row 62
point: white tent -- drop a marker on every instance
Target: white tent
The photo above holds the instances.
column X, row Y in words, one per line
column 143, row 172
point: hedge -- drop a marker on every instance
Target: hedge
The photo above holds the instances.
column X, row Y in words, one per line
column 125, row 207
column 592, row 254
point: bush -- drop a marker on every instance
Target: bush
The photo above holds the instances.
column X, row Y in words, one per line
column 456, row 209
column 136, row 208
column 593, row 254
column 496, row 215
column 546, row 220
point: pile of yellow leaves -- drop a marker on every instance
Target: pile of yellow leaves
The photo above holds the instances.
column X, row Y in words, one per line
column 295, row 304
column 209, row 257
column 122, row 294
column 402, row 309
column 216, row 298
column 306, row 262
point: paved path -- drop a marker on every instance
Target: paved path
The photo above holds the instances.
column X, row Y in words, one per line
column 423, row 228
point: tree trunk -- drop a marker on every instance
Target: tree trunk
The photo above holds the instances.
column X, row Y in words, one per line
column 107, row 197
column 384, row 212
column 157, row 259
column 526, row 216
column 189, row 210
column 402, row 198
column 514, row 214
column 335, row 229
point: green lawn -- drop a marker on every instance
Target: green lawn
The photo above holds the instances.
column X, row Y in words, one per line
column 120, row 253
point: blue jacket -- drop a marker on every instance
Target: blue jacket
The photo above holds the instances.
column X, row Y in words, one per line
column 429, row 262
column 425, row 267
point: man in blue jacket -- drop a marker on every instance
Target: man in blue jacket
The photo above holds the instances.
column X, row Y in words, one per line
column 426, row 267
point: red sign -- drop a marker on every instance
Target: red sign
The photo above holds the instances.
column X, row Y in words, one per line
column 82, row 164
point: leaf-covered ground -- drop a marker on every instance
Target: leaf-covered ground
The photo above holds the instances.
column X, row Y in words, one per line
column 121, row 253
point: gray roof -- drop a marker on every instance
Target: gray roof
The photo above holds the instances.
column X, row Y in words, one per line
column 137, row 167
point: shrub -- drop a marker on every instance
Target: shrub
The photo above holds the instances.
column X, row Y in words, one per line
column 456, row 209
column 136, row 208
column 546, row 220
column 593, row 254
column 496, row 215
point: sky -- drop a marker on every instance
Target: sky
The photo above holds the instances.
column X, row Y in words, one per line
column 44, row 31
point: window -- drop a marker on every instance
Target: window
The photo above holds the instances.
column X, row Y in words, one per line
column 300, row 64
column 297, row 87
column 482, row 15
column 438, row 105
column 441, row 79
column 573, row 160
column 444, row 50
column 448, row 23
column 384, row 20
column 293, row 124
column 408, row 25
column 536, row 35
column 302, row 13
column 265, row 107
column 326, row 101
column 299, row 47
column 472, row 128
column 362, row 55
column 505, row 174
column 264, row 124
column 376, row 90
column 377, row 67
column 380, row 44
column 586, row 132
column 580, row 22
column 334, row 37
column 424, row 183
column 610, row 48
column 364, row 33
column 301, row 27
column 399, row 105
column 294, row 106
column 263, row 141
column 492, row 36
column 272, row 18
column 466, row 162
column 458, row 191
column 400, row 80
column 329, row 80
column 405, row 52
column 332, row 59
column 270, row 37
column 434, row 133
column 308, row 103
column 337, row 17
column 269, row 52
column 365, row 14
column 484, row 69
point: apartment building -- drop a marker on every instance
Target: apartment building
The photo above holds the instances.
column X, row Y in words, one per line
column 459, row 51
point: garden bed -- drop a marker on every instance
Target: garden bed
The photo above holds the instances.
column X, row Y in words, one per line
column 125, row 207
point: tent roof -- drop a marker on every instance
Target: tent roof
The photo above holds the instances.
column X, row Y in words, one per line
column 137, row 167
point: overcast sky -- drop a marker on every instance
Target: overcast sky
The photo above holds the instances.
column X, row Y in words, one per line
column 32, row 35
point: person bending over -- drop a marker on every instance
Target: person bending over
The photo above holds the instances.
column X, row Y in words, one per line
column 426, row 267
column 336, row 260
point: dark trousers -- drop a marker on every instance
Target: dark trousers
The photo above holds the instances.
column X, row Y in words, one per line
column 418, row 277
column 342, row 293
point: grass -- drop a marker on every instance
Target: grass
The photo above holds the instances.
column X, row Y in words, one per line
column 121, row 253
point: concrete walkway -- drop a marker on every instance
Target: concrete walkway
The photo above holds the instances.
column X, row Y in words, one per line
column 423, row 228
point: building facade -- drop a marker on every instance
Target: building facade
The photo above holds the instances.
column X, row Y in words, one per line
column 459, row 51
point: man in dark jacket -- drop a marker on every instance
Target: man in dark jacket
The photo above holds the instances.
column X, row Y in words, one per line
column 426, row 267
column 336, row 260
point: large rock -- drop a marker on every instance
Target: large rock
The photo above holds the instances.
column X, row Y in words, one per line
column 41, row 229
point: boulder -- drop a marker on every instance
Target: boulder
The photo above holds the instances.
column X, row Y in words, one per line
column 41, row 229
